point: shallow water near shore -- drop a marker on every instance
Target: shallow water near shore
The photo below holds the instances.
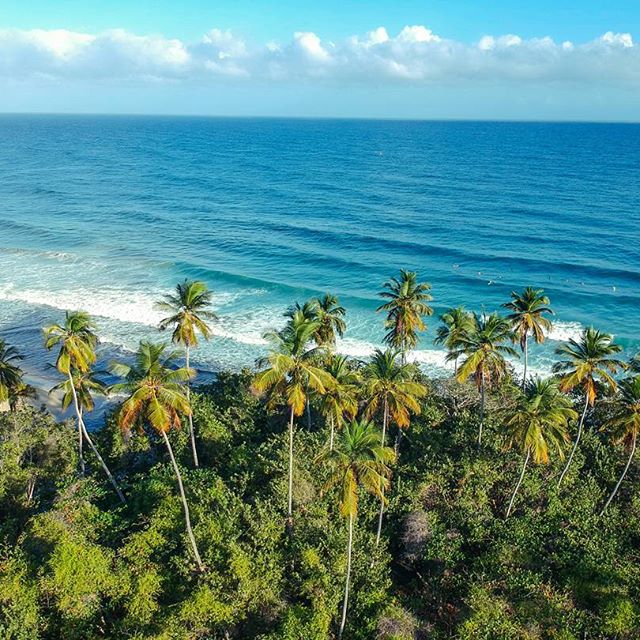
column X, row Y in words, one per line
column 106, row 214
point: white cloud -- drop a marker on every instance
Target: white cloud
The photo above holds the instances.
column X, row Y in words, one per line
column 377, row 36
column 417, row 33
column 622, row 39
column 311, row 46
column 415, row 55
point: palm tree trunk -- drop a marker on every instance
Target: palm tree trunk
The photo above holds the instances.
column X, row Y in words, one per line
column 575, row 444
column 481, row 411
column 526, row 362
column 79, row 417
column 624, row 473
column 290, row 506
column 102, row 463
column 308, row 408
column 331, row 422
column 192, row 433
column 185, row 506
column 31, row 487
column 515, row 491
column 385, row 420
column 345, row 602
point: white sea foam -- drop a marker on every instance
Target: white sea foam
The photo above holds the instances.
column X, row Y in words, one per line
column 563, row 331
column 431, row 360
column 355, row 348
column 244, row 326
column 113, row 304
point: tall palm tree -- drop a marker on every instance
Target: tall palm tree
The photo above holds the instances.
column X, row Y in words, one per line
column 77, row 341
column 10, row 373
column 389, row 386
column 456, row 323
column 357, row 461
column 626, row 425
column 527, row 317
column 587, row 361
column 290, row 371
column 190, row 310
column 156, row 397
column 484, row 351
column 539, row 423
column 330, row 317
column 340, row 400
column 406, row 308
column 299, row 313
column 85, row 385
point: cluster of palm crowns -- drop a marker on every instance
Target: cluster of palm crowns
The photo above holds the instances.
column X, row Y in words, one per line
column 302, row 363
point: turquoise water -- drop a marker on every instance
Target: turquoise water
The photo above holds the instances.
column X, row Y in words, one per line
column 108, row 213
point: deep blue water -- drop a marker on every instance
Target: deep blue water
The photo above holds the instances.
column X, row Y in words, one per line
column 107, row 213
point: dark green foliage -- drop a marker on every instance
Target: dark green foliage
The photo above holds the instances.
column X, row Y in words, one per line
column 76, row 564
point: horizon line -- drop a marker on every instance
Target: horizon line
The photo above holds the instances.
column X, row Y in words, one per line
column 315, row 117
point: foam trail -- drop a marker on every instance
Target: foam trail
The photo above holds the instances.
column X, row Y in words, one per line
column 564, row 331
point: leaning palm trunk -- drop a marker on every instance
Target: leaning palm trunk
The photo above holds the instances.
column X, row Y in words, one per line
column 101, row 461
column 482, row 392
column 185, row 506
column 515, row 491
column 624, row 473
column 525, row 348
column 385, row 420
column 575, row 444
column 345, row 602
column 290, row 503
column 192, row 433
column 80, row 422
column 331, row 437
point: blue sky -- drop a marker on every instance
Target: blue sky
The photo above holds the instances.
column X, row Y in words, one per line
column 459, row 19
column 406, row 58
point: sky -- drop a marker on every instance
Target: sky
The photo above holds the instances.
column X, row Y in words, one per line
column 465, row 59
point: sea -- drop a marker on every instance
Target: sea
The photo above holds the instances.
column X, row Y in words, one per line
column 107, row 213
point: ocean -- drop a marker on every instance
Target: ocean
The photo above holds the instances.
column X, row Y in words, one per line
column 107, row 214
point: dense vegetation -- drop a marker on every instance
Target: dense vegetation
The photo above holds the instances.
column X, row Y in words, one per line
column 483, row 506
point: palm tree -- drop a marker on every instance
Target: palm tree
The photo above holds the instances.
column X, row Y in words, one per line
column 189, row 309
column 85, row 385
column 341, row 396
column 156, row 397
column 10, row 373
column 540, row 423
column 357, row 461
column 485, row 353
column 406, row 308
column 456, row 323
column 290, row 372
column 308, row 311
column 389, row 386
column 77, row 341
column 586, row 361
column 330, row 318
column 626, row 425
column 527, row 317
